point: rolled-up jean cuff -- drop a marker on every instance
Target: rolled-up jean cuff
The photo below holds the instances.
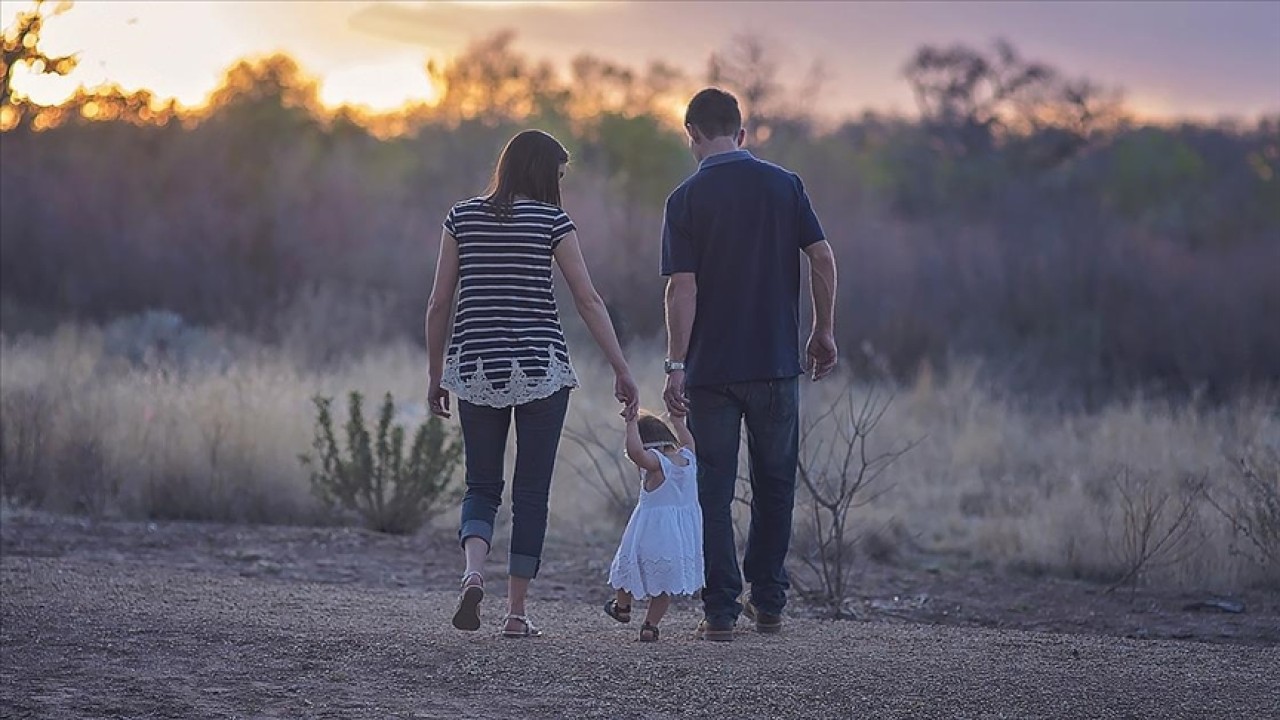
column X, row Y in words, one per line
column 523, row 566
column 477, row 529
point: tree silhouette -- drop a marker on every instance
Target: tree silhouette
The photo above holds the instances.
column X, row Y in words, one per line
column 968, row 98
column 748, row 66
column 21, row 48
column 492, row 83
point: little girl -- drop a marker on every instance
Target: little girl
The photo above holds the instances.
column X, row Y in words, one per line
column 661, row 550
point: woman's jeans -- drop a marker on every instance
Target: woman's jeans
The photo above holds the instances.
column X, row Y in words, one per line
column 770, row 409
column 484, row 436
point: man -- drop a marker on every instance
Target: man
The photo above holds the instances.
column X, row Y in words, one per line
column 731, row 244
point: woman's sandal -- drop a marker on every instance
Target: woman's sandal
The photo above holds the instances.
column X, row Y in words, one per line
column 648, row 633
column 467, row 616
column 617, row 612
column 529, row 629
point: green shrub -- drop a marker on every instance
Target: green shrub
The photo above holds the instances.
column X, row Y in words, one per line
column 391, row 493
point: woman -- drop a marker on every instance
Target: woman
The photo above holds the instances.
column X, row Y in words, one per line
column 508, row 356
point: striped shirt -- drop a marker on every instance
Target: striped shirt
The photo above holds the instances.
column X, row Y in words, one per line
column 507, row 347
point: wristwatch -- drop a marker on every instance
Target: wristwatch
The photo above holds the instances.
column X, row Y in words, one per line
column 669, row 366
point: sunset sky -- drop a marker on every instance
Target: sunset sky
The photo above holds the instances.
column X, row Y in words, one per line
column 1205, row 59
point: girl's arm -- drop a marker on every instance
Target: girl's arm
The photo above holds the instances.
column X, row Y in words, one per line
column 439, row 312
column 591, row 307
column 637, row 454
column 682, row 433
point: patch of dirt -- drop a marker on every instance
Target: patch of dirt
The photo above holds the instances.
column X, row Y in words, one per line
column 119, row 619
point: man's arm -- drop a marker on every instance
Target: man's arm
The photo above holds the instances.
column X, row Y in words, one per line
column 682, row 305
column 821, row 351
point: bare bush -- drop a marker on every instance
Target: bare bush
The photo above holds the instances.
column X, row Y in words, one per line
column 1251, row 506
column 602, row 465
column 86, row 481
column 837, row 471
column 1157, row 524
column 163, row 342
column 26, row 418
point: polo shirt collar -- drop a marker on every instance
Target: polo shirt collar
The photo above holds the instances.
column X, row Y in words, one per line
column 724, row 157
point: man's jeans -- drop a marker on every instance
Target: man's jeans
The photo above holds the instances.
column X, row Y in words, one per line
column 484, row 435
column 771, row 411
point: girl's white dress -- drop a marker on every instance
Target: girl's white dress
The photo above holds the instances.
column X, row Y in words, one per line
column 661, row 549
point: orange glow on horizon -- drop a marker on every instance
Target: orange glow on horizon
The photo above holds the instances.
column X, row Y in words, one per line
column 118, row 42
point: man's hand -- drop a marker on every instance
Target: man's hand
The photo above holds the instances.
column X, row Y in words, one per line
column 821, row 354
column 673, row 395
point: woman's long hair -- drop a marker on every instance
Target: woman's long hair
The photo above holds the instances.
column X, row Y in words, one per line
column 530, row 167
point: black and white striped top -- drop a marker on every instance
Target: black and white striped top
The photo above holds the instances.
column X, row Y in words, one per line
column 507, row 348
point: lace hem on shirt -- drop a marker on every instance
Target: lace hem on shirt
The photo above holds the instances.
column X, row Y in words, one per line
column 478, row 389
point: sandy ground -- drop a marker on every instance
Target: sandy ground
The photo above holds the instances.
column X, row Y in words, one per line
column 131, row 620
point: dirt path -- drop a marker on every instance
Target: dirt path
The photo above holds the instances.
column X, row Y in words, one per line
column 107, row 623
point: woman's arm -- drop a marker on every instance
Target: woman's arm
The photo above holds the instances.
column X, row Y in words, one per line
column 591, row 307
column 636, row 452
column 439, row 313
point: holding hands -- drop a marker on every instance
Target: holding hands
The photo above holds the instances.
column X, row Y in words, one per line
column 626, row 392
column 673, row 394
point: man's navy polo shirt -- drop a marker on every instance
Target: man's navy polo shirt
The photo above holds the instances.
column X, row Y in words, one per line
column 739, row 224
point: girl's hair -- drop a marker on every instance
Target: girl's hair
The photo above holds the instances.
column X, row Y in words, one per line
column 529, row 166
column 653, row 431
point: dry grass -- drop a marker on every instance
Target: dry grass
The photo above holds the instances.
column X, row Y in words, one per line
column 84, row 431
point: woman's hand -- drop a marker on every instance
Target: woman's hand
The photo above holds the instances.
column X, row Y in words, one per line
column 628, row 393
column 437, row 399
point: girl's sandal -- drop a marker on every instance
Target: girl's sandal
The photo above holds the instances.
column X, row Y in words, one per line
column 529, row 629
column 617, row 612
column 467, row 616
column 648, row 633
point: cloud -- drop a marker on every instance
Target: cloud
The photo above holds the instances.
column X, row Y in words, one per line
column 412, row 24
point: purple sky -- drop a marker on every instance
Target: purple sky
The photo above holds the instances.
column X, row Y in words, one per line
column 1204, row 59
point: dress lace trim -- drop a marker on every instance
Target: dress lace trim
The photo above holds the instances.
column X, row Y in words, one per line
column 648, row 577
column 479, row 389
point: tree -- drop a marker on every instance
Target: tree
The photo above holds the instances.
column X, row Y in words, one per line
column 968, row 99
column 20, row 47
column 493, row 83
column 749, row 67
column 273, row 86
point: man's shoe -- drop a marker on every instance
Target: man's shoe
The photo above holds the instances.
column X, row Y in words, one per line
column 715, row 632
column 766, row 623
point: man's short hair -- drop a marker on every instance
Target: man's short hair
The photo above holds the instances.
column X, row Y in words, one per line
column 714, row 112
